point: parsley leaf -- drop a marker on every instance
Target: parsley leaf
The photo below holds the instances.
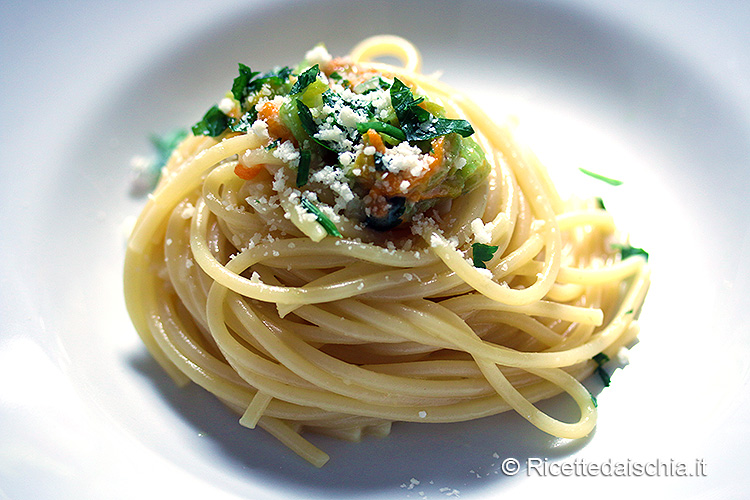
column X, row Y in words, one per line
column 166, row 143
column 305, row 79
column 277, row 76
column 419, row 124
column 214, row 122
column 600, row 359
column 482, row 253
column 628, row 251
column 248, row 81
column 308, row 123
column 445, row 126
column 608, row 180
column 245, row 122
column 240, row 89
column 406, row 107
column 384, row 84
column 335, row 100
column 437, row 127
column 378, row 162
column 324, row 221
column 303, row 170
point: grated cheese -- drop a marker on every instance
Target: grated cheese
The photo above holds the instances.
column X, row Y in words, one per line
column 318, row 55
column 481, row 233
column 260, row 128
column 287, row 153
column 226, row 105
column 406, row 158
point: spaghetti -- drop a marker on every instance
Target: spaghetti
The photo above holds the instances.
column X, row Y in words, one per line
column 348, row 244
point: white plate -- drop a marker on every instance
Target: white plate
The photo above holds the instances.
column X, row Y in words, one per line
column 653, row 93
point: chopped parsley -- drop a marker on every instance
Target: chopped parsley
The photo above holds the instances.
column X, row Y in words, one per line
column 600, row 359
column 628, row 251
column 406, row 107
column 165, row 144
column 305, row 79
column 608, row 180
column 334, row 99
column 279, row 76
column 247, row 83
column 303, row 170
column 417, row 123
column 214, row 122
column 324, row 221
column 273, row 145
column 308, row 123
column 240, row 86
column 481, row 254
column 600, row 203
column 148, row 170
column 245, row 122
column 377, row 162
column 444, row 126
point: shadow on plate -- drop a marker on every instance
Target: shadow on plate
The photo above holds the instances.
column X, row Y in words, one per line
column 462, row 456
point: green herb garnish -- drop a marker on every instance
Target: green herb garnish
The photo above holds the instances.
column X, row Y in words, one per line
column 324, row 221
column 444, row 126
column 600, row 359
column 378, row 162
column 405, row 105
column 419, row 124
column 305, row 79
column 382, row 127
column 628, row 251
column 308, row 123
column 240, row 86
column 608, row 180
column 214, row 122
column 165, row 144
column 600, row 203
column 482, row 253
column 408, row 112
column 384, row 84
column 277, row 77
column 249, row 81
column 303, row 170
column 604, row 376
column 245, row 122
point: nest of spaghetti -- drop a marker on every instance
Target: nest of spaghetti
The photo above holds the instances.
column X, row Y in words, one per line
column 347, row 244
